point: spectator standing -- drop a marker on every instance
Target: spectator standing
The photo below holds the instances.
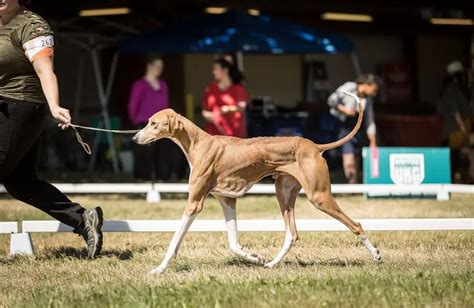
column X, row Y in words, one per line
column 344, row 108
column 454, row 107
column 149, row 94
column 225, row 101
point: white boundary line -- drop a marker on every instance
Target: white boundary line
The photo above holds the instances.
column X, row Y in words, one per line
column 104, row 188
column 254, row 225
column 8, row 227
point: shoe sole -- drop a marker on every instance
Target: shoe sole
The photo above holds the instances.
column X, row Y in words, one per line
column 97, row 223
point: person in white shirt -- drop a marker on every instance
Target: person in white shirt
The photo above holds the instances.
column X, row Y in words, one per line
column 344, row 109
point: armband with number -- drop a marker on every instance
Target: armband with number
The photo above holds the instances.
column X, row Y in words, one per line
column 39, row 47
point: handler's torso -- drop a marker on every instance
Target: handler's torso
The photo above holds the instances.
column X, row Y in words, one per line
column 18, row 79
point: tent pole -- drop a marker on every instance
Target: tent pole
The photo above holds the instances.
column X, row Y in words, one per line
column 355, row 63
column 104, row 95
column 93, row 159
column 240, row 60
column 79, row 86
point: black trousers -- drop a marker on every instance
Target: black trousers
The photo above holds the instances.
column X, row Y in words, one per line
column 21, row 124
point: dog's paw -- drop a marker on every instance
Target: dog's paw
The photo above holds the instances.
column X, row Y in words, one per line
column 157, row 271
column 257, row 259
column 270, row 264
column 378, row 257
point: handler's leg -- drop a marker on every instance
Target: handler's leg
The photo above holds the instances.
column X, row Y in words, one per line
column 21, row 125
column 228, row 206
column 24, row 185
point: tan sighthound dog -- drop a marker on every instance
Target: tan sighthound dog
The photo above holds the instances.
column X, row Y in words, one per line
column 227, row 167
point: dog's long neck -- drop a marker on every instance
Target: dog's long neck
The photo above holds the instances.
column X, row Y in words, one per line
column 188, row 138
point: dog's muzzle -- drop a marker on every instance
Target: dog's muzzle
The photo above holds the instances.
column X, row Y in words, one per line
column 135, row 138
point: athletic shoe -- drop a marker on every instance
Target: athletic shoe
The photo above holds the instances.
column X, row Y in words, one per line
column 92, row 231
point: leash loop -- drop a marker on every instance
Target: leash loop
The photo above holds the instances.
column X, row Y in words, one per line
column 84, row 144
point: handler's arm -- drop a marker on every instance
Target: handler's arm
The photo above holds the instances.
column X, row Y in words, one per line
column 49, row 83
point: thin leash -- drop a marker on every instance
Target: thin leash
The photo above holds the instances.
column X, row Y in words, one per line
column 84, row 144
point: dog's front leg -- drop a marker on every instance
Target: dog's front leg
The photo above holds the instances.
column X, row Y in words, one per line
column 195, row 205
column 185, row 223
column 228, row 206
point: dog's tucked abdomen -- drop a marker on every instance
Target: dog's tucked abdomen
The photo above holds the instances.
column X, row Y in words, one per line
column 244, row 162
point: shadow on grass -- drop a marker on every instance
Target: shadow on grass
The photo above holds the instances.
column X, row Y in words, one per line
column 330, row 262
column 81, row 253
column 241, row 262
column 300, row 263
column 183, row 268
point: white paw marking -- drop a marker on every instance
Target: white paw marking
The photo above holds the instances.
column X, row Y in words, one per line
column 158, row 270
column 270, row 265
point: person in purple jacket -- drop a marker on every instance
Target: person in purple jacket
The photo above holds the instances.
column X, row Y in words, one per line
column 148, row 95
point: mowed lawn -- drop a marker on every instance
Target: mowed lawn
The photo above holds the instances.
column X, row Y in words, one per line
column 433, row 269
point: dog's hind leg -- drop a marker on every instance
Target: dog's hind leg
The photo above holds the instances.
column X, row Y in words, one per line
column 313, row 174
column 287, row 189
column 326, row 203
column 228, row 206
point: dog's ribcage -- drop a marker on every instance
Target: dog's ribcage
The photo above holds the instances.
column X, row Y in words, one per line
column 245, row 162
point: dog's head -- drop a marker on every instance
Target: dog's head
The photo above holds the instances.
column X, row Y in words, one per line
column 163, row 124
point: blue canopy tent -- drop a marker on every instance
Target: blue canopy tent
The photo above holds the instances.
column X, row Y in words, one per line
column 236, row 31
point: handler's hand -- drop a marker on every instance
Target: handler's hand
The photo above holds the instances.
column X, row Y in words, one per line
column 350, row 113
column 347, row 111
column 208, row 116
column 62, row 116
column 225, row 109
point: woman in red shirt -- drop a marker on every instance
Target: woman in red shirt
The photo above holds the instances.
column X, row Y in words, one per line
column 225, row 100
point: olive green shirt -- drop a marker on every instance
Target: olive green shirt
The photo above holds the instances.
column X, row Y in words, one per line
column 18, row 79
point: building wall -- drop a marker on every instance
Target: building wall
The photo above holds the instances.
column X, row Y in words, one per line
column 278, row 76
column 373, row 50
column 370, row 51
column 67, row 61
column 281, row 76
column 197, row 75
column 433, row 54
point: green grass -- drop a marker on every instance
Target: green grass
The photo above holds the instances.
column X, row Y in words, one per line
column 421, row 269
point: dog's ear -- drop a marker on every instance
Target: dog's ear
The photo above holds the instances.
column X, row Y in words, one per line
column 175, row 124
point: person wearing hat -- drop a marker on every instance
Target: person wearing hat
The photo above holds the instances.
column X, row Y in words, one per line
column 28, row 88
column 454, row 107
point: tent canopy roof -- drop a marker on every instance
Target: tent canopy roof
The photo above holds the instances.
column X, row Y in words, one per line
column 236, row 31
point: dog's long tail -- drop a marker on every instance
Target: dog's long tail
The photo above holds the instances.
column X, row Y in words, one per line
column 335, row 144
